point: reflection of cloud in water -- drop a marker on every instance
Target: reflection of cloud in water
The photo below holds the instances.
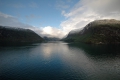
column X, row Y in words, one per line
column 47, row 50
column 67, row 61
column 53, row 48
column 76, row 59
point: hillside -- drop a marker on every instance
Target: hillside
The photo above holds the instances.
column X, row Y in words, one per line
column 50, row 38
column 9, row 35
column 97, row 32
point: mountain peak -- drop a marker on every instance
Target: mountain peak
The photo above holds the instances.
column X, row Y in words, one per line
column 105, row 31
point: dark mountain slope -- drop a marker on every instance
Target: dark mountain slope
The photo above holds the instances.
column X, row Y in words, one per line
column 98, row 32
column 51, row 38
column 10, row 35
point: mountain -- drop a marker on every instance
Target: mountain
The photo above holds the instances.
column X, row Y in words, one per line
column 9, row 35
column 105, row 31
column 50, row 38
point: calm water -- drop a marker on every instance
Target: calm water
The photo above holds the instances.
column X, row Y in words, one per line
column 60, row 61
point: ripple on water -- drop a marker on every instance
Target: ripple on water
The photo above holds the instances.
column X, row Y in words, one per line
column 59, row 61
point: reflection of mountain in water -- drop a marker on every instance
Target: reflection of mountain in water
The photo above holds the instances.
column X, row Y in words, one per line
column 59, row 61
column 98, row 50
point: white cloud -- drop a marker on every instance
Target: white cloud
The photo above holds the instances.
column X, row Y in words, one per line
column 104, row 7
column 52, row 32
column 11, row 21
column 81, row 14
column 86, row 11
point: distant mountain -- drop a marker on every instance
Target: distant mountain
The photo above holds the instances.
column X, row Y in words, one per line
column 9, row 35
column 51, row 38
column 97, row 32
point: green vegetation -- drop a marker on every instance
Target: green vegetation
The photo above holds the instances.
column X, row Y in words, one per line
column 98, row 32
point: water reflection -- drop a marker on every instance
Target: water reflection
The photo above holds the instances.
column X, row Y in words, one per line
column 104, row 59
column 60, row 61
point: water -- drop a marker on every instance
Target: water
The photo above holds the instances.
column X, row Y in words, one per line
column 60, row 61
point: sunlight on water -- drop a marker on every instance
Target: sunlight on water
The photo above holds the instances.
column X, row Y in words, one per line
column 59, row 61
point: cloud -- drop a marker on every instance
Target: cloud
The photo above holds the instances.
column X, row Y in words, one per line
column 52, row 32
column 104, row 7
column 86, row 11
column 8, row 20
column 80, row 15
column 11, row 21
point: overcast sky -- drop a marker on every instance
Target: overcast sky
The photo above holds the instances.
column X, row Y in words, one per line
column 56, row 17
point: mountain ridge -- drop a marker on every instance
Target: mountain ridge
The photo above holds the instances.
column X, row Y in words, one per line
column 11, row 35
column 105, row 31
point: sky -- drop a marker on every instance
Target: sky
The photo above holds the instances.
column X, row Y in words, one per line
column 56, row 18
